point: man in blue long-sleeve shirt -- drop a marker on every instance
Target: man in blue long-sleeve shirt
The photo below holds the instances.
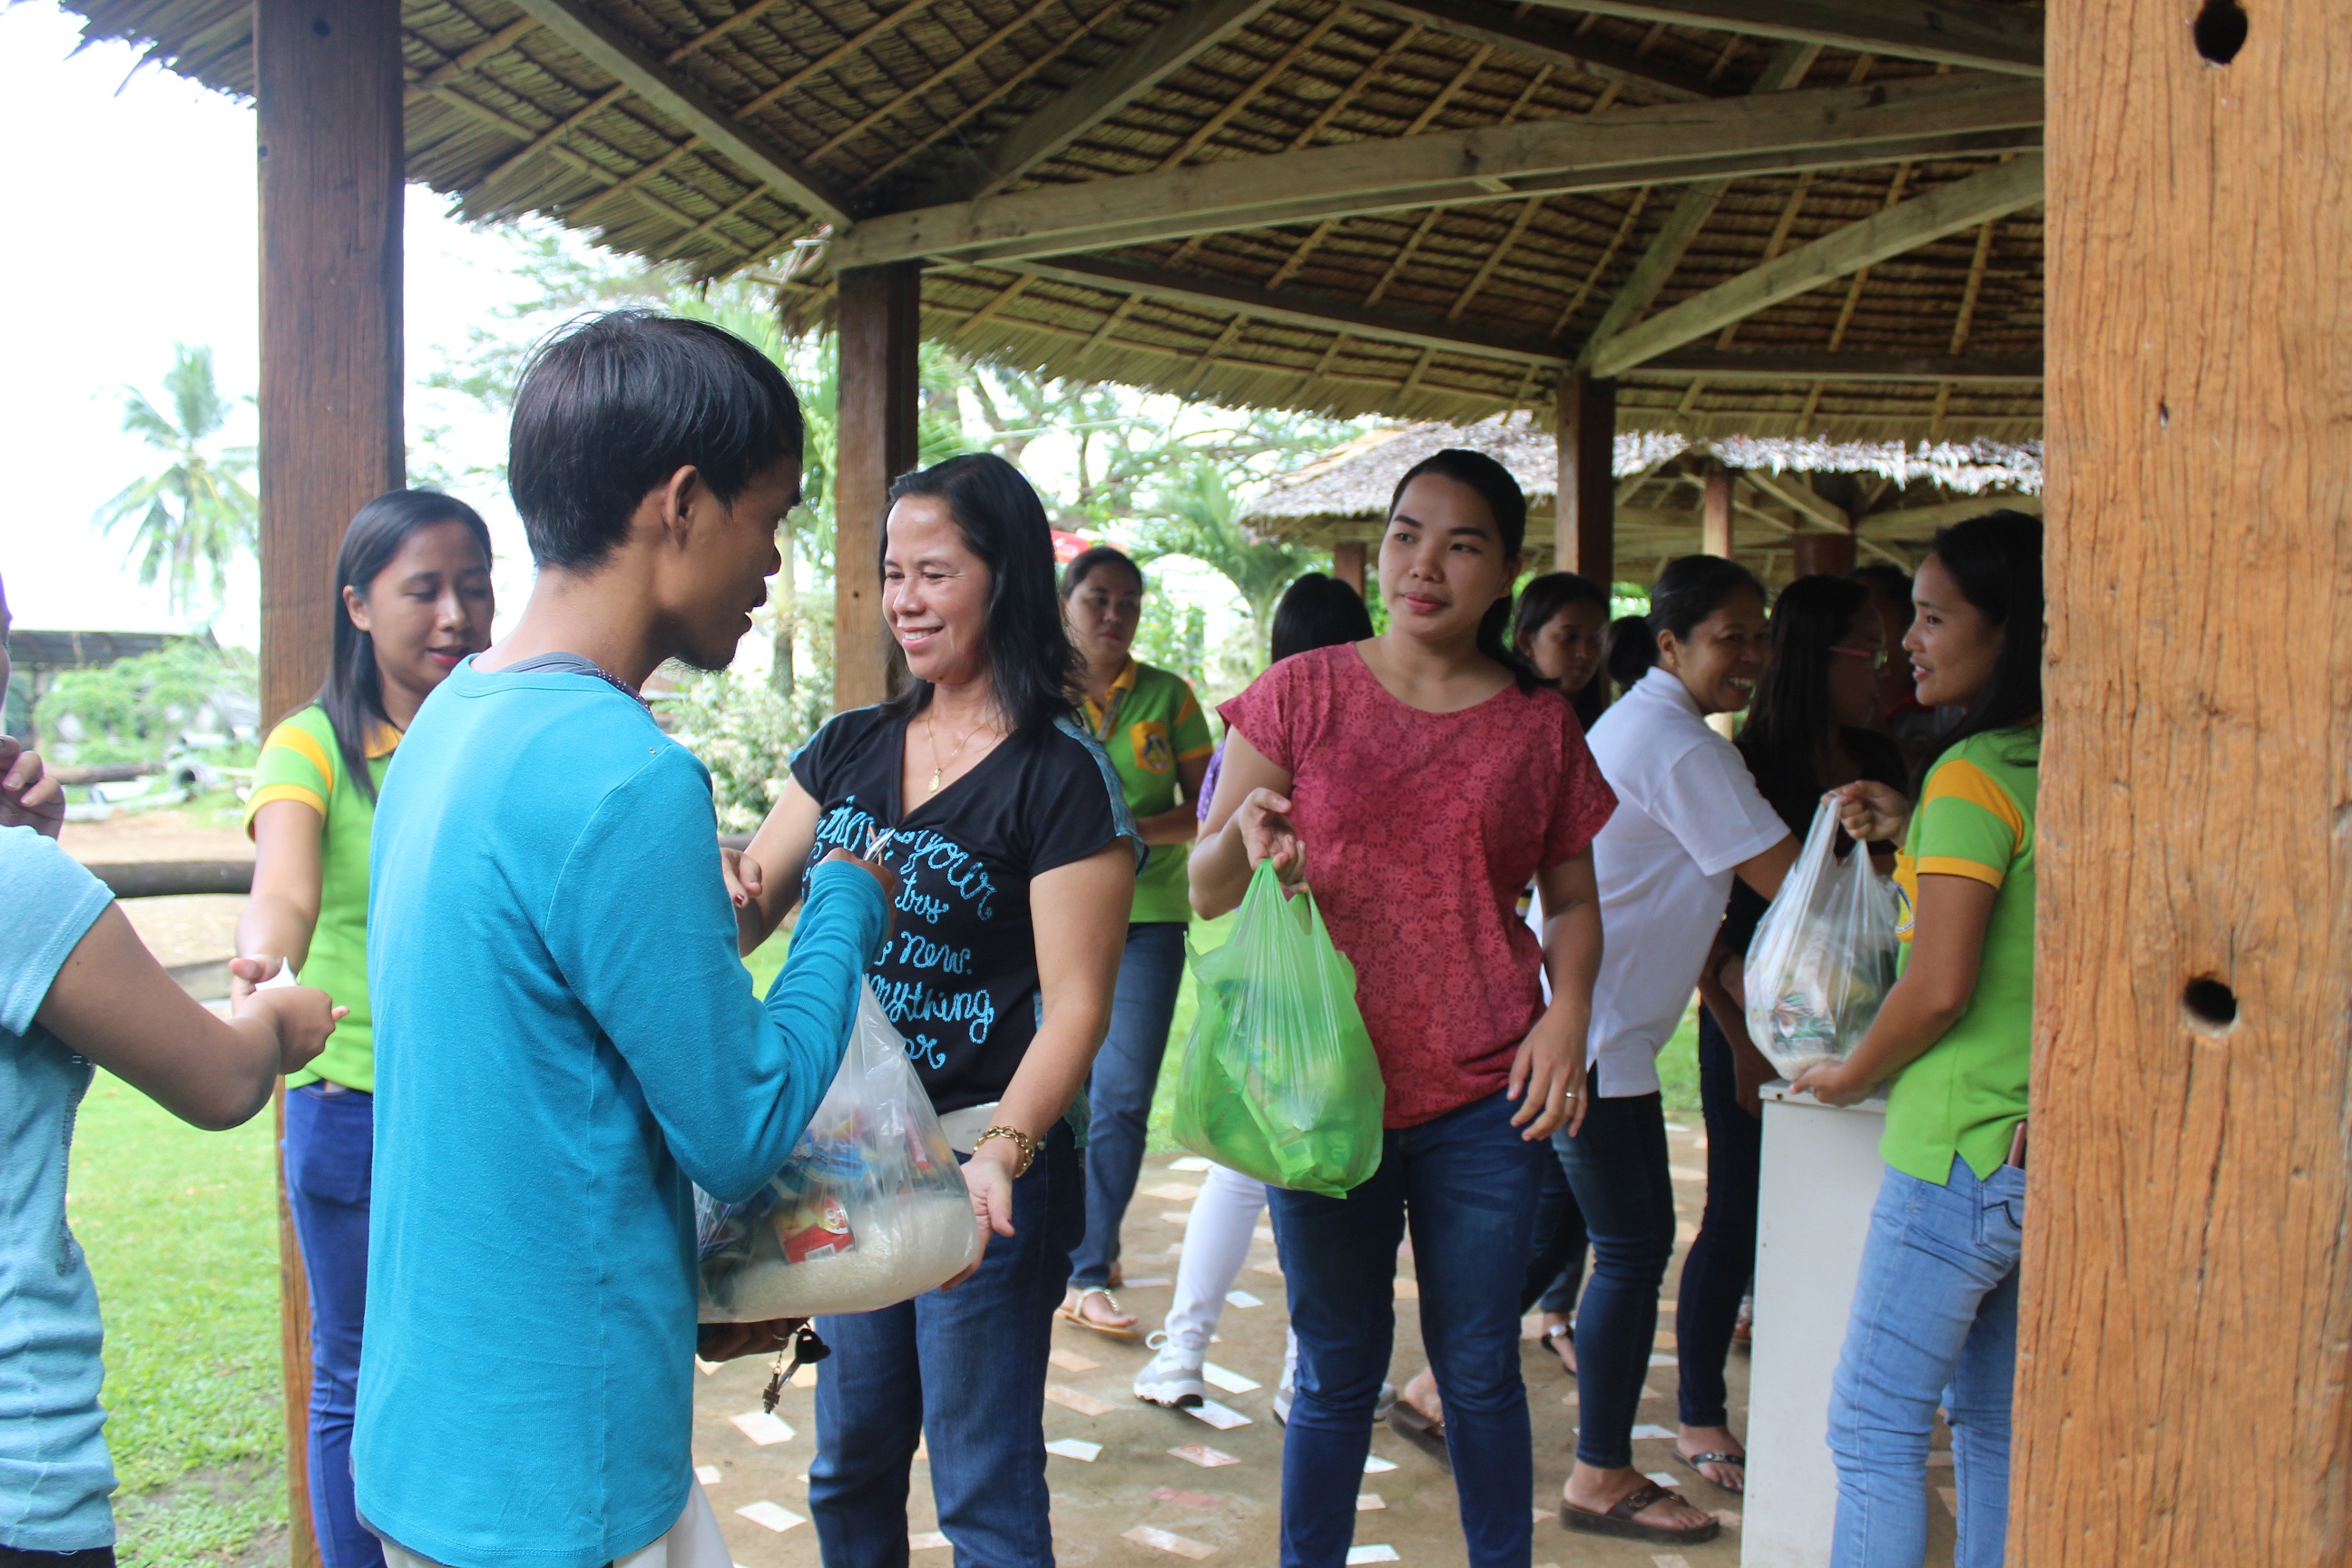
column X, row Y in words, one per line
column 564, row 1035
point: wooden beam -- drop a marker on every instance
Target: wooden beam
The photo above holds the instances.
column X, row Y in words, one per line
column 618, row 56
column 1972, row 36
column 1553, row 46
column 1963, row 204
column 2188, row 1186
column 1585, row 501
column 904, row 96
column 879, row 312
column 1348, row 562
column 1295, row 310
column 327, row 80
column 1915, row 521
column 1824, row 552
column 1820, row 126
column 1715, row 514
column 1809, row 364
column 1796, row 492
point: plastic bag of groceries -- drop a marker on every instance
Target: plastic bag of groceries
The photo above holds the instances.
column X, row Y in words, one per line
column 1824, row 956
column 869, row 1211
column 1278, row 1079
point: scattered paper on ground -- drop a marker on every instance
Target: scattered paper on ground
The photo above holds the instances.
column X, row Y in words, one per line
column 1367, row 1501
column 1670, row 1560
column 929, row 1541
column 708, row 1475
column 1684, row 1174
column 1223, row 1418
column 1153, row 1536
column 1228, row 1379
column 1270, row 1266
column 1071, row 1361
column 1189, row 1500
column 1951, row 1496
column 1242, row 1298
column 1071, row 1399
column 1651, row 1430
column 1174, row 1192
column 1189, row 1163
column 1730, row 1516
column 1076, row 1448
column 804, row 1376
column 1176, row 1217
column 1148, row 1281
column 771, row 1515
column 761, row 1427
column 1379, row 1553
column 1376, row 1465
column 1408, row 1290
column 1665, row 1479
column 1664, row 1361
column 1208, row 1458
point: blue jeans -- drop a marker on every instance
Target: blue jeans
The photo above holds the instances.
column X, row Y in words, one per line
column 1556, row 1271
column 1934, row 1319
column 964, row 1370
column 1126, row 1071
column 329, row 1146
column 1722, row 1257
column 1466, row 1183
column 1617, row 1168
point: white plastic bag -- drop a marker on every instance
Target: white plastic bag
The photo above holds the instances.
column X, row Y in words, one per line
column 1824, row 956
column 869, row 1211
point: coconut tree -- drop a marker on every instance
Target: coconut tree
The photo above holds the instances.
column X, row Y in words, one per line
column 1199, row 516
column 196, row 511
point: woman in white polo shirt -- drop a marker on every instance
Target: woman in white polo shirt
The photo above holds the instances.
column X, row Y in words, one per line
column 1689, row 819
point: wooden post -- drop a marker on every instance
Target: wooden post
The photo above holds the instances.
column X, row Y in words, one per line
column 1715, row 515
column 1822, row 552
column 2185, row 1365
column 1584, row 507
column 327, row 77
column 879, row 327
column 1348, row 562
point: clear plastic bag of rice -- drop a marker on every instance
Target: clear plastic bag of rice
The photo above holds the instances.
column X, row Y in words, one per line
column 1824, row 956
column 869, row 1211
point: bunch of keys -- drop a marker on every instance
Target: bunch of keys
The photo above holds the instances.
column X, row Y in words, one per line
column 804, row 1349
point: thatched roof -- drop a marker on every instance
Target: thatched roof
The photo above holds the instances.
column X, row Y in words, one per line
column 728, row 134
column 1897, row 495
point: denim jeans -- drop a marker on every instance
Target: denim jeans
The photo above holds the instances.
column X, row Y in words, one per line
column 1722, row 1257
column 1466, row 1183
column 1126, row 1071
column 964, row 1372
column 1934, row 1319
column 1556, row 1264
column 329, row 1147
column 1617, row 1167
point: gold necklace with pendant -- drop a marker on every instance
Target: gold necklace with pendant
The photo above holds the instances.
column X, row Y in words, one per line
column 939, row 768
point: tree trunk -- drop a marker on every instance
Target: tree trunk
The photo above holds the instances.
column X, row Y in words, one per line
column 780, row 673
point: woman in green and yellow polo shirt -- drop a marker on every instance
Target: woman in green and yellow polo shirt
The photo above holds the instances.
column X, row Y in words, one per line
column 413, row 586
column 1151, row 727
column 1935, row 1304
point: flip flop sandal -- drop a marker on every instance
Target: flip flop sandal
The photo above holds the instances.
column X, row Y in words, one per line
column 1413, row 1424
column 1551, row 1342
column 1618, row 1519
column 1075, row 1313
column 1737, row 1461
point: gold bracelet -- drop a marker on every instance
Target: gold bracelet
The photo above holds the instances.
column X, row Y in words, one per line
column 1020, row 1141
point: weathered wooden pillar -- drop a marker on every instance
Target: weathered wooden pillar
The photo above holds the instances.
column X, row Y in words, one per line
column 1584, row 507
column 879, row 328
column 2185, row 1374
column 1715, row 514
column 1349, row 562
column 1822, row 552
column 327, row 77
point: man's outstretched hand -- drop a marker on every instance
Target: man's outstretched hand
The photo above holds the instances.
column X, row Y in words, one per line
column 716, row 1343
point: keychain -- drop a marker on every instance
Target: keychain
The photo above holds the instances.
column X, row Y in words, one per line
column 804, row 1350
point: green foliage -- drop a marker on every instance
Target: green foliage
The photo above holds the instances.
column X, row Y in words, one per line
column 134, row 710
column 745, row 734
column 1197, row 514
column 195, row 512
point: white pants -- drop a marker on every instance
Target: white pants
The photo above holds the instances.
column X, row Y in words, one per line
column 694, row 1542
column 1216, row 1244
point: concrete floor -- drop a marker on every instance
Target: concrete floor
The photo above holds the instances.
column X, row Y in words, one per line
column 1135, row 1485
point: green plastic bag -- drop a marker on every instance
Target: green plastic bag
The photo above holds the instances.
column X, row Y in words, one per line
column 1278, row 1079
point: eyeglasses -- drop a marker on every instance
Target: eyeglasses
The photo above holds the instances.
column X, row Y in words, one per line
column 1877, row 656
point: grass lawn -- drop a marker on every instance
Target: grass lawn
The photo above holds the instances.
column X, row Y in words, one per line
column 181, row 1230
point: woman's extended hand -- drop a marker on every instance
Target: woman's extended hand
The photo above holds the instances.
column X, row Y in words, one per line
column 1832, row 1083
column 1547, row 1077
column 743, row 879
column 1872, row 813
column 301, row 1017
column 1267, row 834
column 246, row 974
column 987, row 1177
column 715, row 1342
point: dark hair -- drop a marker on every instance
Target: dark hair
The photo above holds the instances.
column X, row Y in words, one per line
column 1508, row 507
column 1628, row 651
column 1317, row 610
column 1893, row 582
column 352, row 694
column 1996, row 559
column 1032, row 663
column 1085, row 563
column 1693, row 587
column 611, row 406
column 1541, row 603
column 1789, row 725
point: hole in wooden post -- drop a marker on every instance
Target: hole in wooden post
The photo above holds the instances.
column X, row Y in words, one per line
column 2219, row 31
column 2211, row 1006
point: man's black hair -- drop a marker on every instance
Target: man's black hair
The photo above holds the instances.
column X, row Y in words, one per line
column 613, row 404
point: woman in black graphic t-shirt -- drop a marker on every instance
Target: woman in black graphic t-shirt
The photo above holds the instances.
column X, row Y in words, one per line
column 1017, row 860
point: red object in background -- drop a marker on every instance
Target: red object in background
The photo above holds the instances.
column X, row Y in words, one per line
column 1067, row 547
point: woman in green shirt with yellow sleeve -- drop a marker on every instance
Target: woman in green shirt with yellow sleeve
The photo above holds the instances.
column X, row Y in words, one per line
column 1934, row 1319
column 1151, row 726
column 413, row 590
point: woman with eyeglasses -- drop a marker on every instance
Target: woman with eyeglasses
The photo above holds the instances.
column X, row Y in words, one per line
column 1808, row 732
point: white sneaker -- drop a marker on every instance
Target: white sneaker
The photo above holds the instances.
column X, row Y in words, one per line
column 1174, row 1376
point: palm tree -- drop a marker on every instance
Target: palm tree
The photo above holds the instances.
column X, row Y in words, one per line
column 1200, row 518
column 195, row 512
